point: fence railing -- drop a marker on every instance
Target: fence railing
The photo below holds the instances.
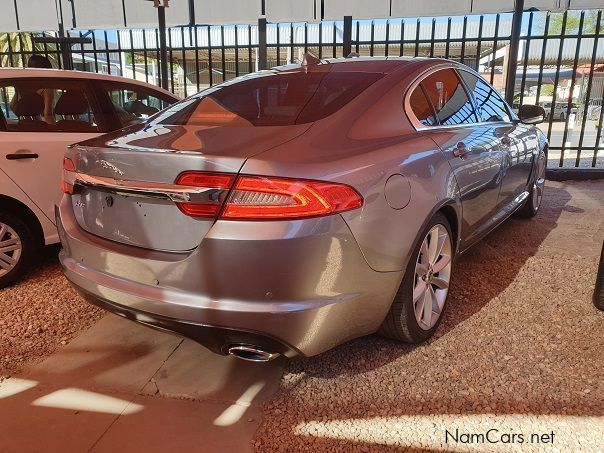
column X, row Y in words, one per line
column 560, row 60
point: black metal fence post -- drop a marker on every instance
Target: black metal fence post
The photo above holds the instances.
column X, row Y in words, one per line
column 192, row 20
column 347, row 36
column 559, row 53
column 510, row 78
column 163, row 51
column 262, row 59
column 65, row 49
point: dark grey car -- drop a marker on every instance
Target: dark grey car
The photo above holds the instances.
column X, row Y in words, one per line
column 290, row 210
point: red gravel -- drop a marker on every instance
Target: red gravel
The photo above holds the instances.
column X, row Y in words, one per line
column 39, row 314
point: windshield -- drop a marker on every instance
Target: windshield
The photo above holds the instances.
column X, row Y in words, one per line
column 274, row 100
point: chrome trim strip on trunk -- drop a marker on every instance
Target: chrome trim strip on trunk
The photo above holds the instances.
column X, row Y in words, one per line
column 147, row 189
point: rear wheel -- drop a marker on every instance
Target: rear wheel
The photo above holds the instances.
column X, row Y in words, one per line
column 17, row 246
column 420, row 301
column 533, row 201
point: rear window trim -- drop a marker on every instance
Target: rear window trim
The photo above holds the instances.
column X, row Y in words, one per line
column 409, row 111
column 508, row 108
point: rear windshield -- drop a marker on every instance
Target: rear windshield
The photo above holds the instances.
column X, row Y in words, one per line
column 274, row 100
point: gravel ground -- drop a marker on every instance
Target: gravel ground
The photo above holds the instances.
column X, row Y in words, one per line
column 40, row 314
column 520, row 351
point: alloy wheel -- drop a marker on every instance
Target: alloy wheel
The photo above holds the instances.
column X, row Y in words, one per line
column 10, row 249
column 432, row 276
column 539, row 184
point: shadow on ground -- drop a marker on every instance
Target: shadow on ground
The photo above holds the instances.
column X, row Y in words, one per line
column 480, row 275
column 520, row 336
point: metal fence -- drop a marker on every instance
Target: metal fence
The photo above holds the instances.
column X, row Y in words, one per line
column 560, row 59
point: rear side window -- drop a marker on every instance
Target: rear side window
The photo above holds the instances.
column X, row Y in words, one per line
column 449, row 98
column 274, row 99
column 488, row 102
column 47, row 105
column 421, row 107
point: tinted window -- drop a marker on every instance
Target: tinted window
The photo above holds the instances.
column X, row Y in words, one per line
column 421, row 107
column 274, row 99
column 488, row 102
column 47, row 105
column 449, row 98
column 135, row 103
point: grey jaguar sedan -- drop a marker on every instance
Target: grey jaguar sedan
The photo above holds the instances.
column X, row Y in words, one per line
column 287, row 211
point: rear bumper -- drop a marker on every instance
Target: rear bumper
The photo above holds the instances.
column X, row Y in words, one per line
column 303, row 292
column 216, row 339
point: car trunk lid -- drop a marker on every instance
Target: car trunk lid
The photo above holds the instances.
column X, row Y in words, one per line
column 125, row 184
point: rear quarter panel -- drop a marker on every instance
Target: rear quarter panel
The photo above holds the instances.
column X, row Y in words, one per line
column 363, row 145
column 385, row 235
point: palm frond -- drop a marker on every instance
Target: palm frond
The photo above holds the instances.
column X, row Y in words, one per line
column 15, row 48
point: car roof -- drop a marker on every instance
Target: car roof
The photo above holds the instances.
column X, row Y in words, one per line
column 12, row 73
column 369, row 64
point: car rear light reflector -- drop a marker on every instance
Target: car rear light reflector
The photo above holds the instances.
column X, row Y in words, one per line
column 217, row 185
column 262, row 198
column 68, row 178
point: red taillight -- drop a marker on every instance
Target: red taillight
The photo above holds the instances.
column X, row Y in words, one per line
column 258, row 197
column 266, row 198
column 68, row 176
column 217, row 184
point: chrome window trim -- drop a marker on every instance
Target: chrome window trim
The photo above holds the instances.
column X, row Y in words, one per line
column 505, row 103
column 418, row 126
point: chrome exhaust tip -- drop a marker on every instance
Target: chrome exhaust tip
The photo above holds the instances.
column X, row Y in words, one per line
column 252, row 353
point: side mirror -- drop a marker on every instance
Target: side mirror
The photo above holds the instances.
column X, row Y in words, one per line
column 531, row 114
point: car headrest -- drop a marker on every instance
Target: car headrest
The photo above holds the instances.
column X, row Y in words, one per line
column 29, row 104
column 137, row 107
column 72, row 102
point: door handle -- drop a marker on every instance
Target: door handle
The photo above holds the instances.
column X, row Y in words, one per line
column 18, row 156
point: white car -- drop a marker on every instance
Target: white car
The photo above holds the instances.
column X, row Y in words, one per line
column 560, row 110
column 42, row 111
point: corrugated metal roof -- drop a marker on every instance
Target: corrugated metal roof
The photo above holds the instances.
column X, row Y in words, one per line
column 296, row 33
column 567, row 54
column 331, row 32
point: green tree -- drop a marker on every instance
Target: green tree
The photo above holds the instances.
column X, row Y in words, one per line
column 573, row 21
column 21, row 42
column 138, row 59
column 547, row 89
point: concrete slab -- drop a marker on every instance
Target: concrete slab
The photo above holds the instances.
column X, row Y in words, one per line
column 174, row 425
column 121, row 386
column 573, row 219
column 194, row 372
column 115, row 354
column 29, row 428
column 46, row 418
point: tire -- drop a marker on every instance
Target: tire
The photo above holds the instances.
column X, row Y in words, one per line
column 535, row 197
column 17, row 248
column 401, row 323
column 599, row 291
